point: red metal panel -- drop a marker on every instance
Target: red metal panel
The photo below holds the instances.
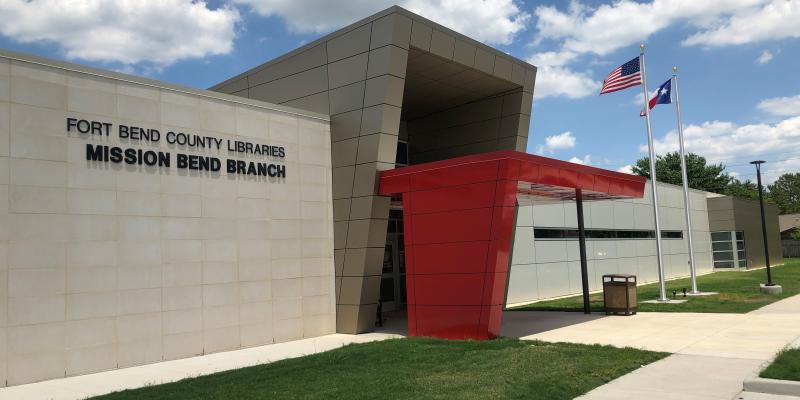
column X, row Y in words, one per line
column 411, row 313
column 549, row 175
column 529, row 172
column 411, row 264
column 457, row 175
column 458, row 257
column 395, row 184
column 601, row 183
column 585, row 181
column 499, row 255
column 616, row 187
column 454, row 226
column 506, row 193
column 448, row 322
column 449, row 289
column 494, row 289
column 569, row 178
column 508, row 169
column 633, row 188
column 489, row 325
column 476, row 195
column 503, row 222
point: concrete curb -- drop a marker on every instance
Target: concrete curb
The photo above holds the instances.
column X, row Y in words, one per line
column 772, row 386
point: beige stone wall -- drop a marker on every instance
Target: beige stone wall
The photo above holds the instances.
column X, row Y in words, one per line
column 107, row 265
column 356, row 76
column 360, row 75
column 496, row 123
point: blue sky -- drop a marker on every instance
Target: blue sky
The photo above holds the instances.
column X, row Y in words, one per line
column 738, row 60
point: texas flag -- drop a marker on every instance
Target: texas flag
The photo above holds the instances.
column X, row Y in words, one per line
column 662, row 96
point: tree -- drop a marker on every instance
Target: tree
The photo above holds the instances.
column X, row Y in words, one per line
column 710, row 178
column 785, row 192
column 746, row 189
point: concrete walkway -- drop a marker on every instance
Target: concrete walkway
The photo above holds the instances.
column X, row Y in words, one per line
column 713, row 353
column 83, row 386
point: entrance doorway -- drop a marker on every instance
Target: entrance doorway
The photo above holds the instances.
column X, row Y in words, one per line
column 393, row 275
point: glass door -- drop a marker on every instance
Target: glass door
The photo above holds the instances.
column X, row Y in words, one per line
column 728, row 249
column 393, row 274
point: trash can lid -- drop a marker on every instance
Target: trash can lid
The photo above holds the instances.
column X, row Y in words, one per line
column 619, row 276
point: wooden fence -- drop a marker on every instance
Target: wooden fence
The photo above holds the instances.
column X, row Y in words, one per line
column 791, row 247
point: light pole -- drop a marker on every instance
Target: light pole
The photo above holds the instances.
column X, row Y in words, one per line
column 758, row 163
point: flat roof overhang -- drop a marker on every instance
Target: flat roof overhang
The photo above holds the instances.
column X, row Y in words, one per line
column 459, row 219
column 536, row 175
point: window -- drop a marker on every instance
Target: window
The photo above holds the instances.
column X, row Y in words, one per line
column 603, row 234
column 720, row 236
column 728, row 249
column 401, row 158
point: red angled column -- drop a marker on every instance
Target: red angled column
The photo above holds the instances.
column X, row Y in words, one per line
column 458, row 226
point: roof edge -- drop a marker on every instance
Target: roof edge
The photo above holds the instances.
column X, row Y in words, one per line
column 395, row 9
column 82, row 69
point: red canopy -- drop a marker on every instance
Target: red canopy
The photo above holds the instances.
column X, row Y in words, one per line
column 458, row 227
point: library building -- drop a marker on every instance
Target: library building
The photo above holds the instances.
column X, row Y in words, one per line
column 379, row 170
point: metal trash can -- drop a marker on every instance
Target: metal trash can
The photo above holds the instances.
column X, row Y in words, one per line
column 619, row 294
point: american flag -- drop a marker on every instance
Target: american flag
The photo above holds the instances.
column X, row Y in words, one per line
column 623, row 77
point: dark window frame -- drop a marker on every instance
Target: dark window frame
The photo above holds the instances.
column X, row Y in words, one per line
column 550, row 233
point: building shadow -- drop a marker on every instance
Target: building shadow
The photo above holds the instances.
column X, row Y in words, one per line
column 394, row 322
column 520, row 324
column 516, row 324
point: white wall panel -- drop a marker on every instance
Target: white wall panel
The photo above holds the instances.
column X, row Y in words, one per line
column 632, row 256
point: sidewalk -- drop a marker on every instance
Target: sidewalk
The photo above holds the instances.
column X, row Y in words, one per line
column 713, row 353
column 83, row 386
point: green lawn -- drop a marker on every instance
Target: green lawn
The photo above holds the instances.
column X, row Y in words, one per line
column 786, row 366
column 417, row 368
column 738, row 292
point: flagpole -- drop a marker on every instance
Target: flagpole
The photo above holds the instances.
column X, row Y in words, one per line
column 662, row 295
column 684, row 173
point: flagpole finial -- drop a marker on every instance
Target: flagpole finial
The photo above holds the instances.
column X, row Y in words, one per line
column 641, row 48
column 674, row 70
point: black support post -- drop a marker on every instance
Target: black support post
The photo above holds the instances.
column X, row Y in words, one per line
column 582, row 248
column 763, row 220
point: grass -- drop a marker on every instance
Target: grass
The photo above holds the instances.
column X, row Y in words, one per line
column 738, row 292
column 418, row 368
column 786, row 366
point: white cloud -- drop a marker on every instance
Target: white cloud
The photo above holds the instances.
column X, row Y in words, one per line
column 627, row 169
column 771, row 171
column 564, row 140
column 781, row 106
column 560, row 81
column 604, row 29
column 765, row 57
column 586, row 160
column 776, row 20
column 726, row 142
column 552, row 58
column 581, row 30
column 553, row 79
column 491, row 21
column 159, row 32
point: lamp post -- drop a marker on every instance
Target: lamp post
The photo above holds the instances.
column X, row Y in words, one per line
column 758, row 163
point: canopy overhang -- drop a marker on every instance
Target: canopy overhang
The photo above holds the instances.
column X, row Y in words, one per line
column 458, row 230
